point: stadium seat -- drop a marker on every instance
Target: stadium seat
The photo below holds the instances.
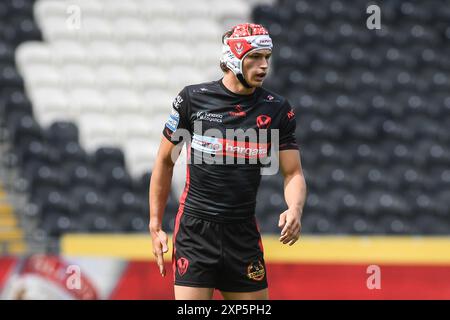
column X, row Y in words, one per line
column 109, row 156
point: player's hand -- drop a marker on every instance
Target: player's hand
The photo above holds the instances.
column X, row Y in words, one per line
column 159, row 241
column 291, row 226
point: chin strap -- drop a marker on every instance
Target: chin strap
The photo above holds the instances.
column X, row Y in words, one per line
column 241, row 79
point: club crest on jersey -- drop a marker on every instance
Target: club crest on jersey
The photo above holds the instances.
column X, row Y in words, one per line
column 239, row 112
column 256, row 271
column 182, row 265
column 263, row 121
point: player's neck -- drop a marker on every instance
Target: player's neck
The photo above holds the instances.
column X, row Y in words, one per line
column 234, row 85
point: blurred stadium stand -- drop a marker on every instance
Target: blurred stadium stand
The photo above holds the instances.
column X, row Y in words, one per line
column 82, row 109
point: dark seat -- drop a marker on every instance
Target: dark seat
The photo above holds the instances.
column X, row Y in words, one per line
column 116, row 176
column 142, row 185
column 14, row 104
column 93, row 202
column 133, row 222
column 6, row 54
column 98, row 222
column 56, row 224
column 62, row 133
column 109, row 155
column 45, row 179
column 9, row 75
column 25, row 29
column 353, row 223
column 83, row 175
column 72, row 154
column 56, row 202
column 24, row 130
column 128, row 202
column 317, row 223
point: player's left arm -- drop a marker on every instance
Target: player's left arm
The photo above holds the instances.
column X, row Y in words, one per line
column 294, row 194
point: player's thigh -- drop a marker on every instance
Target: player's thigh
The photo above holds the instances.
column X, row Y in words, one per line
column 255, row 295
column 193, row 293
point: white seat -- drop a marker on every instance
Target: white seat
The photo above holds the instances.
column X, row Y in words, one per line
column 175, row 53
column 140, row 155
column 213, row 72
column 118, row 9
column 130, row 29
column 55, row 28
column 161, row 29
column 140, row 52
column 147, row 77
column 104, row 52
column 89, row 8
column 96, row 130
column 48, row 103
column 130, row 126
column 49, row 8
column 207, row 54
column 190, row 9
column 156, row 8
column 183, row 75
column 85, row 100
column 33, row 52
column 95, row 28
column 41, row 75
column 157, row 121
column 231, row 12
column 68, row 52
column 157, row 101
column 113, row 76
column 122, row 101
column 78, row 75
column 204, row 29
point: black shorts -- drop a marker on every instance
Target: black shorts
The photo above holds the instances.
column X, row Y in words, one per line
column 225, row 256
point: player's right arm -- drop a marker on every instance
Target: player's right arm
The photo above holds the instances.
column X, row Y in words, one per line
column 175, row 131
column 159, row 192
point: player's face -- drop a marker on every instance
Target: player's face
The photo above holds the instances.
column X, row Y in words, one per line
column 256, row 66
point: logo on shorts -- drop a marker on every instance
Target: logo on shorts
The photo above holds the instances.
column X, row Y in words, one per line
column 263, row 121
column 182, row 265
column 256, row 271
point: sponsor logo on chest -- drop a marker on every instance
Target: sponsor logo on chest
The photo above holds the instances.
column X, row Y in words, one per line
column 211, row 117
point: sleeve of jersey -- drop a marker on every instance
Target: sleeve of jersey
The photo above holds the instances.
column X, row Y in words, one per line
column 177, row 126
column 287, row 129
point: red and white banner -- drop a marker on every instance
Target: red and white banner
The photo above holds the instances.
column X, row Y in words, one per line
column 51, row 277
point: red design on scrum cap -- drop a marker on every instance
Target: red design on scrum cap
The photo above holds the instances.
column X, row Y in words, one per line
column 237, row 42
column 248, row 29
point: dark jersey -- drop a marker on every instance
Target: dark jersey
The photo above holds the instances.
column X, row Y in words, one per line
column 224, row 163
